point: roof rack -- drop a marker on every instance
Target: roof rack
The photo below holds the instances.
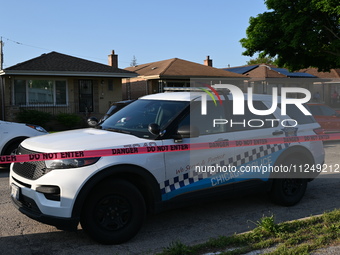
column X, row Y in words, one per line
column 224, row 92
column 172, row 89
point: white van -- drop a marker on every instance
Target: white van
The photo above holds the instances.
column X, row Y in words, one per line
column 110, row 196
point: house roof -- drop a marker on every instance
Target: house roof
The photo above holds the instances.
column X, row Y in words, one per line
column 241, row 69
column 175, row 68
column 268, row 71
column 55, row 63
column 333, row 73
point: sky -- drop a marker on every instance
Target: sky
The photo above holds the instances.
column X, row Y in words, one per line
column 147, row 30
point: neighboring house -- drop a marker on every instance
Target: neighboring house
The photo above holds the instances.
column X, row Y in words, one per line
column 262, row 78
column 175, row 72
column 327, row 88
column 56, row 82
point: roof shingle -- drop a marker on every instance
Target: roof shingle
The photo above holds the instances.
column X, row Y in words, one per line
column 267, row 71
column 176, row 67
column 57, row 62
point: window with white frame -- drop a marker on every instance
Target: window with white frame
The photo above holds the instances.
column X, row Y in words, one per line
column 40, row 92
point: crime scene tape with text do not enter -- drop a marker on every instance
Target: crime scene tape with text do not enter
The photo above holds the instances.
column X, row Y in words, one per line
column 164, row 148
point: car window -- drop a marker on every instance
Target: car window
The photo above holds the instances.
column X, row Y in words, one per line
column 326, row 111
column 205, row 123
column 315, row 109
column 136, row 117
column 112, row 110
column 293, row 112
column 250, row 121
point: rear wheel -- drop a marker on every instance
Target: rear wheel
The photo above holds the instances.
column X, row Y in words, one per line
column 114, row 212
column 288, row 192
column 286, row 189
column 10, row 150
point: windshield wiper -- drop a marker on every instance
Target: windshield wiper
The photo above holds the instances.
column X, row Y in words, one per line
column 118, row 130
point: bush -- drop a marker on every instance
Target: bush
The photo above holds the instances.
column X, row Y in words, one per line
column 60, row 122
column 33, row 117
column 69, row 120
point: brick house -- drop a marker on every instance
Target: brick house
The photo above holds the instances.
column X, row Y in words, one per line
column 175, row 72
column 263, row 77
column 326, row 88
column 56, row 82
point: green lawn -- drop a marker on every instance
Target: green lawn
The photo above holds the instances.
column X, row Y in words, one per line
column 294, row 237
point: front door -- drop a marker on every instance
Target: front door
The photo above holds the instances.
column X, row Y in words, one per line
column 197, row 170
column 85, row 96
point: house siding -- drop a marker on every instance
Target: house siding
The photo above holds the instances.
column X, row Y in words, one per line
column 134, row 88
column 105, row 92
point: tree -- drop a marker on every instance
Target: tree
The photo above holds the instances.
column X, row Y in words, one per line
column 133, row 61
column 263, row 60
column 300, row 33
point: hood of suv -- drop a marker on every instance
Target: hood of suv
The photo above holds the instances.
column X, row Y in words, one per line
column 81, row 139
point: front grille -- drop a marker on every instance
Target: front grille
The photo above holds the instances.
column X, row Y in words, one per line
column 30, row 170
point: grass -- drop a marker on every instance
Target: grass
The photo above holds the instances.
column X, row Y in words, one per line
column 295, row 237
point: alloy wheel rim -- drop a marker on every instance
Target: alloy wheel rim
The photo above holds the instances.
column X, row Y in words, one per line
column 113, row 212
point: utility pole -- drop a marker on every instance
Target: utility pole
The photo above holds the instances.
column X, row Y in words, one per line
column 2, row 106
column 1, row 54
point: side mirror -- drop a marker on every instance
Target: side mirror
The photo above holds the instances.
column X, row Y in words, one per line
column 92, row 122
column 188, row 131
column 154, row 129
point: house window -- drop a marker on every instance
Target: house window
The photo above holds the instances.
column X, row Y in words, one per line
column 40, row 92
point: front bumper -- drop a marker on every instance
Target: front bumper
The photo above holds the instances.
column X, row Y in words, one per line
column 28, row 207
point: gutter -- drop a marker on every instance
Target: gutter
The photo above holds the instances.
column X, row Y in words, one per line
column 68, row 73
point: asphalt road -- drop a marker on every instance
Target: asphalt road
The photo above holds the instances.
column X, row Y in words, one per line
column 190, row 225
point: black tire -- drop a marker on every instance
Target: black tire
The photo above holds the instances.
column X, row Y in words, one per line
column 288, row 192
column 114, row 212
column 10, row 150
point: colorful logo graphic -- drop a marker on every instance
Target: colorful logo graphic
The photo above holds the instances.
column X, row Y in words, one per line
column 211, row 95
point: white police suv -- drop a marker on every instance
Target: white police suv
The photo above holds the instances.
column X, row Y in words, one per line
column 111, row 195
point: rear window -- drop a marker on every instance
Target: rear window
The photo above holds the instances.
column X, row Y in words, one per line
column 315, row 109
column 322, row 110
column 293, row 112
column 257, row 120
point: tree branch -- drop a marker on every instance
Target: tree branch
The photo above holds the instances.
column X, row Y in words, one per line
column 333, row 33
column 332, row 53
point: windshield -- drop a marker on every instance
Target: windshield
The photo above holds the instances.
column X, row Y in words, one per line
column 135, row 118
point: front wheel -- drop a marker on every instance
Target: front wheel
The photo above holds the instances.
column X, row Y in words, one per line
column 114, row 212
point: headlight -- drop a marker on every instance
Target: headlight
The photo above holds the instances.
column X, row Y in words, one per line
column 38, row 128
column 70, row 163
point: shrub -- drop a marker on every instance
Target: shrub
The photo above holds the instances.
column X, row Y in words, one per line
column 33, row 117
column 69, row 120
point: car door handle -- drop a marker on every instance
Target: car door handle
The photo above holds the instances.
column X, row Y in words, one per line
column 221, row 140
column 277, row 132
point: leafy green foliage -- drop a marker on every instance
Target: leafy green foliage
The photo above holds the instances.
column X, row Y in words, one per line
column 62, row 121
column 300, row 33
column 33, row 117
column 265, row 60
column 267, row 224
column 178, row 248
column 68, row 119
column 295, row 237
